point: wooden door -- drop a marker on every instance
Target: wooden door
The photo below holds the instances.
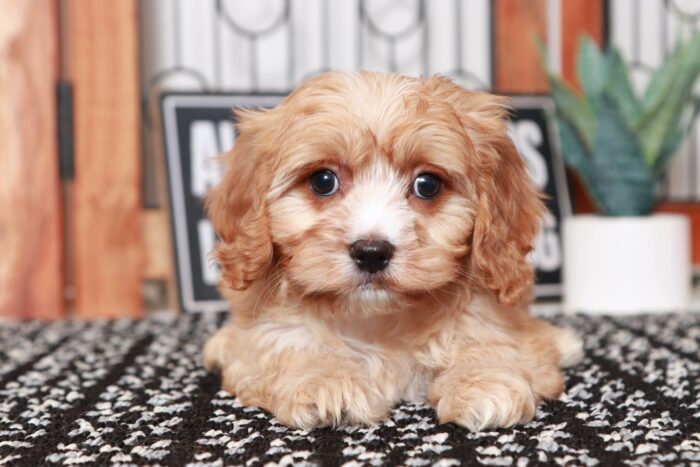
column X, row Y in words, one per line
column 31, row 239
column 102, row 46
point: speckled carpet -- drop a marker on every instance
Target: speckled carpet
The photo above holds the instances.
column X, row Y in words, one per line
column 134, row 393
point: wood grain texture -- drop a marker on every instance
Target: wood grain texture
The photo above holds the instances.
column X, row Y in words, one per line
column 158, row 253
column 157, row 250
column 103, row 65
column 31, row 243
column 516, row 60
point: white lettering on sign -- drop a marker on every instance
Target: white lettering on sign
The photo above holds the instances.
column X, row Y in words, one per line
column 226, row 135
column 547, row 253
column 207, row 140
column 207, row 238
column 527, row 136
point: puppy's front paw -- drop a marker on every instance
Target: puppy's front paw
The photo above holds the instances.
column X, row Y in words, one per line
column 330, row 399
column 218, row 350
column 486, row 403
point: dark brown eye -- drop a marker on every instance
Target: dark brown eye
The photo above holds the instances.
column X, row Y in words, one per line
column 427, row 186
column 324, row 182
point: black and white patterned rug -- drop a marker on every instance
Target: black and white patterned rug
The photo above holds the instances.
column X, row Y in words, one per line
column 134, row 392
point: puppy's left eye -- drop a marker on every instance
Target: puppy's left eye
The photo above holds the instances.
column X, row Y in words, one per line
column 324, row 182
column 427, row 186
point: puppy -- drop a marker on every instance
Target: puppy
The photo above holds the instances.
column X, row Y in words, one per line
column 374, row 233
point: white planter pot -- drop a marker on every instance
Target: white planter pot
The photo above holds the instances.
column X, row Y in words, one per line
column 627, row 264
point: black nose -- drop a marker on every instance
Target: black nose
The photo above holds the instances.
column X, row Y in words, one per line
column 371, row 255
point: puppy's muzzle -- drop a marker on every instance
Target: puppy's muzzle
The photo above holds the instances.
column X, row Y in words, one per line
column 371, row 255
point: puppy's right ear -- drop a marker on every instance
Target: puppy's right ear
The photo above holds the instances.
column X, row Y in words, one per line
column 508, row 205
column 237, row 206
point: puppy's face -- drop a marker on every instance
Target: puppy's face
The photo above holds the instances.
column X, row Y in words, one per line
column 372, row 200
column 369, row 189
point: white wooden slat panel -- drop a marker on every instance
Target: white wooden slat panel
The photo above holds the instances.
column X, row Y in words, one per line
column 476, row 40
column 621, row 25
column 652, row 16
column 678, row 179
column 343, row 31
column 273, row 61
column 694, row 152
column 393, row 20
column 459, row 38
column 234, row 57
column 649, row 48
column 197, row 37
column 157, row 32
column 684, row 173
column 309, row 47
column 443, row 32
column 191, row 44
column 207, row 45
column 554, row 34
column 410, row 53
column 266, row 20
column 690, row 8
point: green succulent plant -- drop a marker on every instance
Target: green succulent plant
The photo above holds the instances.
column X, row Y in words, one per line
column 619, row 143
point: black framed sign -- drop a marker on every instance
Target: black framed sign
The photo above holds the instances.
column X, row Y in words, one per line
column 197, row 127
column 536, row 140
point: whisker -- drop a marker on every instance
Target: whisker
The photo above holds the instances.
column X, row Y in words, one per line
column 469, row 274
column 268, row 290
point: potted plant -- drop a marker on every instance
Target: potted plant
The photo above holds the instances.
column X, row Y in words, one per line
column 625, row 259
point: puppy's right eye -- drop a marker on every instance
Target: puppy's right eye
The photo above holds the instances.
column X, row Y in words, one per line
column 324, row 182
column 427, row 186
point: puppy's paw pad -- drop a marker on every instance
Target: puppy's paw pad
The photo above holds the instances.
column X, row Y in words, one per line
column 488, row 406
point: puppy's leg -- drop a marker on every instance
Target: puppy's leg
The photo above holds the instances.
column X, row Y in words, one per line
column 306, row 389
column 496, row 385
column 219, row 349
column 570, row 346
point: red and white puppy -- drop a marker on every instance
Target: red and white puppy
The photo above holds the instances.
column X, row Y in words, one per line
column 374, row 238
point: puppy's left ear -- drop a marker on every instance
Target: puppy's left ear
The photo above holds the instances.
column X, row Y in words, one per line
column 509, row 207
column 237, row 206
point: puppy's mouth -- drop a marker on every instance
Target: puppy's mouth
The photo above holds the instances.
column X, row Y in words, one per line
column 376, row 286
column 373, row 281
column 372, row 290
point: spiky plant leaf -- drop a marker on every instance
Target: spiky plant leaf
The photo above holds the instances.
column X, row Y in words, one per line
column 617, row 143
column 577, row 158
column 619, row 88
column 668, row 150
column 622, row 180
column 573, row 150
column 577, row 111
column 660, row 122
column 660, row 86
column 592, row 70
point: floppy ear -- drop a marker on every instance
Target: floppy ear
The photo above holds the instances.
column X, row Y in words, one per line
column 509, row 208
column 507, row 221
column 237, row 207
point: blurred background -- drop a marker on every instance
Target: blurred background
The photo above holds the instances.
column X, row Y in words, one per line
column 84, row 223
